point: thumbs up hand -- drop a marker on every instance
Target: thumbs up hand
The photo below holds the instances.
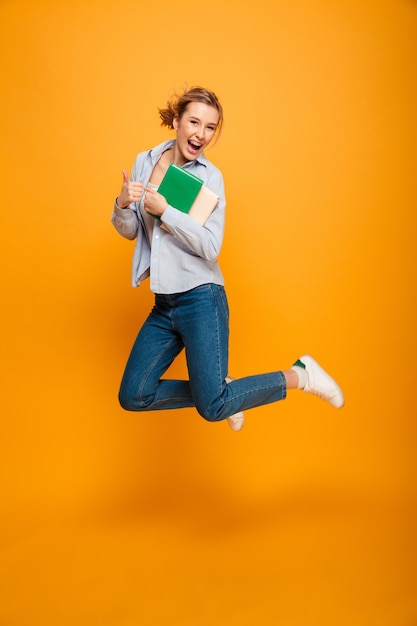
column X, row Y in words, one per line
column 131, row 191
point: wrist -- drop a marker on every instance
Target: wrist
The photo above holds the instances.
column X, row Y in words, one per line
column 118, row 204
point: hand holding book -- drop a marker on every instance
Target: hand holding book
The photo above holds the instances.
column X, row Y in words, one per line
column 155, row 203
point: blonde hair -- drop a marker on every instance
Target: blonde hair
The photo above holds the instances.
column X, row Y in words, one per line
column 177, row 105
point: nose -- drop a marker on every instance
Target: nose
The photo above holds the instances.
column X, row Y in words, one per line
column 200, row 132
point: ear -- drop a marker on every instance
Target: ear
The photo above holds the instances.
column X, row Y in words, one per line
column 175, row 122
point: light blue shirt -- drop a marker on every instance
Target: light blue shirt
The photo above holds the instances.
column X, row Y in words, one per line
column 186, row 257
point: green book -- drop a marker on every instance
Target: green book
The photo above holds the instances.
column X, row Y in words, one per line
column 180, row 188
column 188, row 194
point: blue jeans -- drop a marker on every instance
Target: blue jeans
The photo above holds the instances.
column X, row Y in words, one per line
column 197, row 320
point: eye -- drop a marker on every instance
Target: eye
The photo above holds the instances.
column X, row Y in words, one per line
column 194, row 122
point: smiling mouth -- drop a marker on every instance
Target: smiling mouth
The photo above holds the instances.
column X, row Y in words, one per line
column 194, row 146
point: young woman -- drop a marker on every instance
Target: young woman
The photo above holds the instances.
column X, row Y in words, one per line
column 191, row 309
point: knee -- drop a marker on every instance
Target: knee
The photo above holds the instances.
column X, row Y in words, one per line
column 130, row 402
column 210, row 413
column 126, row 401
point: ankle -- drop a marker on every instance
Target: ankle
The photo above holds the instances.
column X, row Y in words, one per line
column 301, row 374
column 292, row 379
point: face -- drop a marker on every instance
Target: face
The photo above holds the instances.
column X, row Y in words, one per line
column 195, row 129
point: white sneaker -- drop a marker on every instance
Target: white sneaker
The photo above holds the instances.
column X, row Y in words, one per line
column 321, row 384
column 237, row 420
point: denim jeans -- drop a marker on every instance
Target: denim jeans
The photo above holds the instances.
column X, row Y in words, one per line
column 197, row 320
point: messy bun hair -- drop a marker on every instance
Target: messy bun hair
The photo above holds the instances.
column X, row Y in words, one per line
column 177, row 105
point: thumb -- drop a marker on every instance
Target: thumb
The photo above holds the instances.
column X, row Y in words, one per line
column 125, row 176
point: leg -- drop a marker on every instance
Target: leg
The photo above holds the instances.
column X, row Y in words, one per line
column 155, row 348
column 236, row 421
column 199, row 320
column 202, row 319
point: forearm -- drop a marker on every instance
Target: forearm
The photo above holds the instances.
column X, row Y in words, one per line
column 125, row 221
column 204, row 241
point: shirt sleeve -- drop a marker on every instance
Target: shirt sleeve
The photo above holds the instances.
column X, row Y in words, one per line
column 125, row 221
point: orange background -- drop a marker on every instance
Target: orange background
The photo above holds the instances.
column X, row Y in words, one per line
column 307, row 517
